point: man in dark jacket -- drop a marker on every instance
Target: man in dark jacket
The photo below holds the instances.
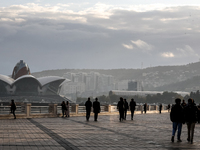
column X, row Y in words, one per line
column 191, row 112
column 120, row 107
column 96, row 109
column 132, row 107
column 88, row 106
column 183, row 104
column 160, row 108
column 177, row 117
column 125, row 108
column 13, row 108
column 145, row 107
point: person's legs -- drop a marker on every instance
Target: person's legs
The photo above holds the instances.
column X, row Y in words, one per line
column 95, row 116
column 121, row 115
column 179, row 131
column 192, row 131
column 132, row 113
column 125, row 112
column 188, row 127
column 14, row 114
column 174, row 128
column 87, row 115
column 63, row 111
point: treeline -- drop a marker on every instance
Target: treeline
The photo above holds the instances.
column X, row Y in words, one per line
column 189, row 84
column 166, row 98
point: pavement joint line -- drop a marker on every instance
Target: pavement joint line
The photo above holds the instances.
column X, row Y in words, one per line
column 106, row 129
column 126, row 135
column 63, row 142
column 104, row 146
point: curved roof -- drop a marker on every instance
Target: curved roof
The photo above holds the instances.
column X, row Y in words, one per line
column 6, row 79
column 48, row 79
column 66, row 80
column 26, row 76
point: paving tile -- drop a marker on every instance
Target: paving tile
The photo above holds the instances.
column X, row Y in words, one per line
column 145, row 132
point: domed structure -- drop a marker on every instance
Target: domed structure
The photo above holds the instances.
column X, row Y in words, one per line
column 23, row 84
column 20, row 69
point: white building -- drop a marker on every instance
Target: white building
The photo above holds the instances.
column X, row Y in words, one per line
column 87, row 82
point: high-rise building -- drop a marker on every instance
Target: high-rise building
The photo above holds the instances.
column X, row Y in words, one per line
column 134, row 86
column 93, row 82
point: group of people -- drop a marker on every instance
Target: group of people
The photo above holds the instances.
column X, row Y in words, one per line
column 182, row 113
column 123, row 106
column 65, row 109
column 96, row 108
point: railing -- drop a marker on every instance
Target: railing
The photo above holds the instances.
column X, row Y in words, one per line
column 39, row 109
column 6, row 110
column 26, row 110
column 59, row 109
column 82, row 109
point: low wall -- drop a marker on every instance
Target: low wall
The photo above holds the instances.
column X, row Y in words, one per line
column 29, row 111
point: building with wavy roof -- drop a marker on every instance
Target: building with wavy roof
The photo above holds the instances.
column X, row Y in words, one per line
column 22, row 83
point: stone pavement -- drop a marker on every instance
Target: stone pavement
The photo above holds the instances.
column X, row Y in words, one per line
column 145, row 132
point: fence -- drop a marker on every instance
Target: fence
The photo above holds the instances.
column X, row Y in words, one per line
column 29, row 111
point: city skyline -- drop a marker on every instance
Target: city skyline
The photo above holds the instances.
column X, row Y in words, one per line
column 98, row 34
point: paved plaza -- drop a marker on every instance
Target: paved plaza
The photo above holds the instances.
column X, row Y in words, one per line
column 146, row 131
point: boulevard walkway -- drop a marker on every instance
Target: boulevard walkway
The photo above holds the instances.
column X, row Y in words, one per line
column 145, row 132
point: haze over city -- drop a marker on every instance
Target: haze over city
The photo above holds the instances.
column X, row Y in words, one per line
column 98, row 34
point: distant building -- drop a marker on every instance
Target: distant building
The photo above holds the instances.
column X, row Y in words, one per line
column 121, row 85
column 135, row 86
column 143, row 93
column 92, row 82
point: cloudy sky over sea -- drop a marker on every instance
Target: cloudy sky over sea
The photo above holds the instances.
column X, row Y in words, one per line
column 59, row 34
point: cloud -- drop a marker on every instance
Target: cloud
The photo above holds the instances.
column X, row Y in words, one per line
column 142, row 45
column 71, row 33
column 167, row 55
column 186, row 51
column 128, row 46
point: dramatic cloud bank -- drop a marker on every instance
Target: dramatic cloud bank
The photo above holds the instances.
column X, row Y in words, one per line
column 98, row 36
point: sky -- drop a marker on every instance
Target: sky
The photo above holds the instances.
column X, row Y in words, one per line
column 75, row 34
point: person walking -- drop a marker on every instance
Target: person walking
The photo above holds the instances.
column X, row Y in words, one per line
column 125, row 108
column 63, row 108
column 177, row 118
column 168, row 107
column 132, row 107
column 96, row 108
column 88, row 106
column 13, row 108
column 67, row 109
column 183, row 104
column 160, row 108
column 191, row 112
column 145, row 108
column 120, row 107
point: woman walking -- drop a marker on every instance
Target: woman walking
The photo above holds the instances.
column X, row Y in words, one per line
column 67, row 109
column 63, row 108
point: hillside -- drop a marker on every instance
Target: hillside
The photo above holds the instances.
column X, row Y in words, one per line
column 163, row 77
column 192, row 84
